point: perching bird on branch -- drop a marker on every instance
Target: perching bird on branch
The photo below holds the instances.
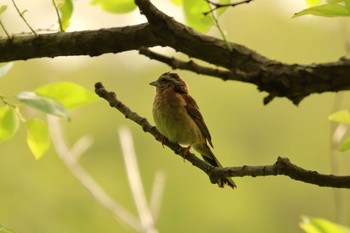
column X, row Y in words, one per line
column 178, row 118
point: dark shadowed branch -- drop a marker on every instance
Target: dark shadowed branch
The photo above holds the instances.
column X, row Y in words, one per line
column 281, row 167
column 218, row 5
column 186, row 65
column 292, row 81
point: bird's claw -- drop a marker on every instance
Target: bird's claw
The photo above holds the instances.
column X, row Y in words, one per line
column 163, row 140
column 184, row 152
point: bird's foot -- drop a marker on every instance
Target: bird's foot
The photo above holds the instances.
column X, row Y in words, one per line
column 184, row 151
column 163, row 140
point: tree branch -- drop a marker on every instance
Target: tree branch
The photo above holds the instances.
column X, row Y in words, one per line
column 189, row 65
column 218, row 6
column 91, row 43
column 282, row 167
column 292, row 81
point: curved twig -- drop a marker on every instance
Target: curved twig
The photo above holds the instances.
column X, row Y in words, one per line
column 282, row 167
column 292, row 81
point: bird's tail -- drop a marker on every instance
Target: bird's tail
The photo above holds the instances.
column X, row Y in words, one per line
column 210, row 158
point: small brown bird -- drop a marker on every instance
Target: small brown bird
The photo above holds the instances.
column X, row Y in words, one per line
column 178, row 118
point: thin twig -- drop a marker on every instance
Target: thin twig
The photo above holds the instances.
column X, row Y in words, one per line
column 282, row 166
column 119, row 212
column 21, row 14
column 337, row 133
column 58, row 15
column 218, row 5
column 135, row 181
column 12, row 105
column 157, row 194
column 218, row 26
column 191, row 65
column 4, row 29
column 292, row 81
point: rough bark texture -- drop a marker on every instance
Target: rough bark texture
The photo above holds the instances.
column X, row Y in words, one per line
column 281, row 167
column 293, row 81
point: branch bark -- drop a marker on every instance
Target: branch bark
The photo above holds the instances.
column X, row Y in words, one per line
column 91, row 43
column 282, row 167
column 292, row 81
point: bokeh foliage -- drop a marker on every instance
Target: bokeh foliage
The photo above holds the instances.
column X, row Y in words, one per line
column 41, row 196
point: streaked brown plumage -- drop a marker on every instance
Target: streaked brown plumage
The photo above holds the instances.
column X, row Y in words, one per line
column 178, row 118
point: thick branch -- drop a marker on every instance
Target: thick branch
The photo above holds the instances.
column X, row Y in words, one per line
column 92, row 43
column 294, row 82
column 282, row 167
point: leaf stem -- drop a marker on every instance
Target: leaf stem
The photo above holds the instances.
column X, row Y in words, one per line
column 4, row 29
column 21, row 14
column 219, row 27
column 14, row 106
column 218, row 6
column 58, row 15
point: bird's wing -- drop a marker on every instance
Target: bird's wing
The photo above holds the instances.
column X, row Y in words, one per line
column 193, row 110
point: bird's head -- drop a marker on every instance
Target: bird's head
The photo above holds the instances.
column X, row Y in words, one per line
column 170, row 80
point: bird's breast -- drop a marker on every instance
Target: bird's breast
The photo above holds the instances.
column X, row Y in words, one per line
column 172, row 119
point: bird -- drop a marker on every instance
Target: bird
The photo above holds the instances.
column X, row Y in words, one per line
column 178, row 118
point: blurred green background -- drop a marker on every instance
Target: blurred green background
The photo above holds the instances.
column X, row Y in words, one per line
column 43, row 196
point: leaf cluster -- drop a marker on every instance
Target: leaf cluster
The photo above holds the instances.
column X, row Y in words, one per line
column 54, row 99
column 331, row 8
column 320, row 225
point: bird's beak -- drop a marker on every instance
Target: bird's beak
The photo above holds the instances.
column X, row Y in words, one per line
column 154, row 83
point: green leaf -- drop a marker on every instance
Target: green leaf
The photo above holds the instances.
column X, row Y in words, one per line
column 3, row 8
column 326, row 10
column 347, row 4
column 221, row 10
column 341, row 117
column 195, row 18
column 311, row 3
column 335, row 1
column 43, row 104
column 69, row 94
column 5, row 229
column 345, row 146
column 9, row 123
column 5, row 67
column 177, row 2
column 319, row 225
column 115, row 6
column 38, row 137
column 66, row 10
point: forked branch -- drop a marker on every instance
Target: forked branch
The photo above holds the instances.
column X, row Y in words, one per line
column 218, row 5
column 281, row 167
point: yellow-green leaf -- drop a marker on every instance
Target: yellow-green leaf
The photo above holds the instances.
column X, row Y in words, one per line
column 342, row 116
column 325, row 10
column 3, row 8
column 5, row 229
column 38, row 137
column 9, row 123
column 44, row 104
column 319, row 225
column 344, row 146
column 66, row 10
column 177, row 2
column 115, row 6
column 5, row 67
column 195, row 18
column 311, row 3
column 221, row 10
column 69, row 94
